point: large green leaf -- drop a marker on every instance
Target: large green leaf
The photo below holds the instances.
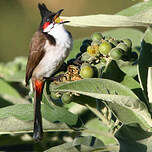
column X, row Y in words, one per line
column 149, row 84
column 101, row 131
column 144, row 16
column 113, row 72
column 9, row 94
column 136, row 9
column 133, row 138
column 93, row 87
column 103, row 20
column 121, row 100
column 136, row 15
column 12, row 100
column 23, row 114
column 14, row 70
column 145, row 60
column 7, row 89
column 13, row 125
column 84, row 144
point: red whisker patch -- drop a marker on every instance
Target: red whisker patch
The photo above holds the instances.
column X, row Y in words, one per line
column 46, row 24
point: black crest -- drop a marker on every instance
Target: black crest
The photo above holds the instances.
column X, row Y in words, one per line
column 46, row 14
column 43, row 10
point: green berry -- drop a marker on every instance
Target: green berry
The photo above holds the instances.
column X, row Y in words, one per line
column 55, row 95
column 96, row 42
column 123, row 46
column 116, row 53
column 127, row 42
column 108, row 38
column 113, row 42
column 97, row 36
column 85, row 56
column 105, row 47
column 66, row 98
column 86, row 71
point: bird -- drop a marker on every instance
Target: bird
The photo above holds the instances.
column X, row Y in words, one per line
column 49, row 47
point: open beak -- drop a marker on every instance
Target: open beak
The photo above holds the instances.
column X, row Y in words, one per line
column 57, row 19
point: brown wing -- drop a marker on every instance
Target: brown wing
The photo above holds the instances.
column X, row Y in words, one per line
column 36, row 53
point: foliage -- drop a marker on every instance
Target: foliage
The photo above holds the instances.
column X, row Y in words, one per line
column 120, row 99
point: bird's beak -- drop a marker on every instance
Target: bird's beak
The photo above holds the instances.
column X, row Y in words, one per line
column 57, row 19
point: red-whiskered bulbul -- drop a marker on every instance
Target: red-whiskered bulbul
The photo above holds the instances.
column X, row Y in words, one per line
column 49, row 47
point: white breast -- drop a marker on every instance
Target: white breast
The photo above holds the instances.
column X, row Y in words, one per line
column 55, row 55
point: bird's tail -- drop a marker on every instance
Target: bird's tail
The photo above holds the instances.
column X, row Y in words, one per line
column 38, row 91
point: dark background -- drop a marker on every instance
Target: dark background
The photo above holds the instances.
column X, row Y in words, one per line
column 19, row 19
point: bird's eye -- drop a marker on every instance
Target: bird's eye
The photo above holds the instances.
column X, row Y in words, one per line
column 48, row 20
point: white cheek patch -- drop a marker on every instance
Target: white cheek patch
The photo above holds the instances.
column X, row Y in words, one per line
column 48, row 28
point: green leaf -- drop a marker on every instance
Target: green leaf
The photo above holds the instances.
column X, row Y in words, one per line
column 128, row 67
column 6, row 89
column 113, row 72
column 102, row 20
column 84, row 144
column 136, row 9
column 133, row 138
column 145, row 60
column 13, row 100
column 96, row 128
column 14, row 70
column 55, row 113
column 132, row 132
column 149, row 84
column 136, row 15
column 121, row 100
column 144, row 16
column 13, row 125
column 93, row 87
column 24, row 112
column 16, row 77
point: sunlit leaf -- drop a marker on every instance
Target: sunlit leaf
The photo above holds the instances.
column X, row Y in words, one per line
column 121, row 100
column 23, row 115
column 14, row 70
column 149, row 84
column 101, row 131
column 14, row 125
column 136, row 9
column 145, row 60
column 6, row 88
column 134, row 138
column 85, row 144
column 102, row 20
column 144, row 16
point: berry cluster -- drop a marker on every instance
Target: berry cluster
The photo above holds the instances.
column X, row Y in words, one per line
column 95, row 53
column 107, row 47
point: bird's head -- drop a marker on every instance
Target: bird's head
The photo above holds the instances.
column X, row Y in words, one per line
column 50, row 20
